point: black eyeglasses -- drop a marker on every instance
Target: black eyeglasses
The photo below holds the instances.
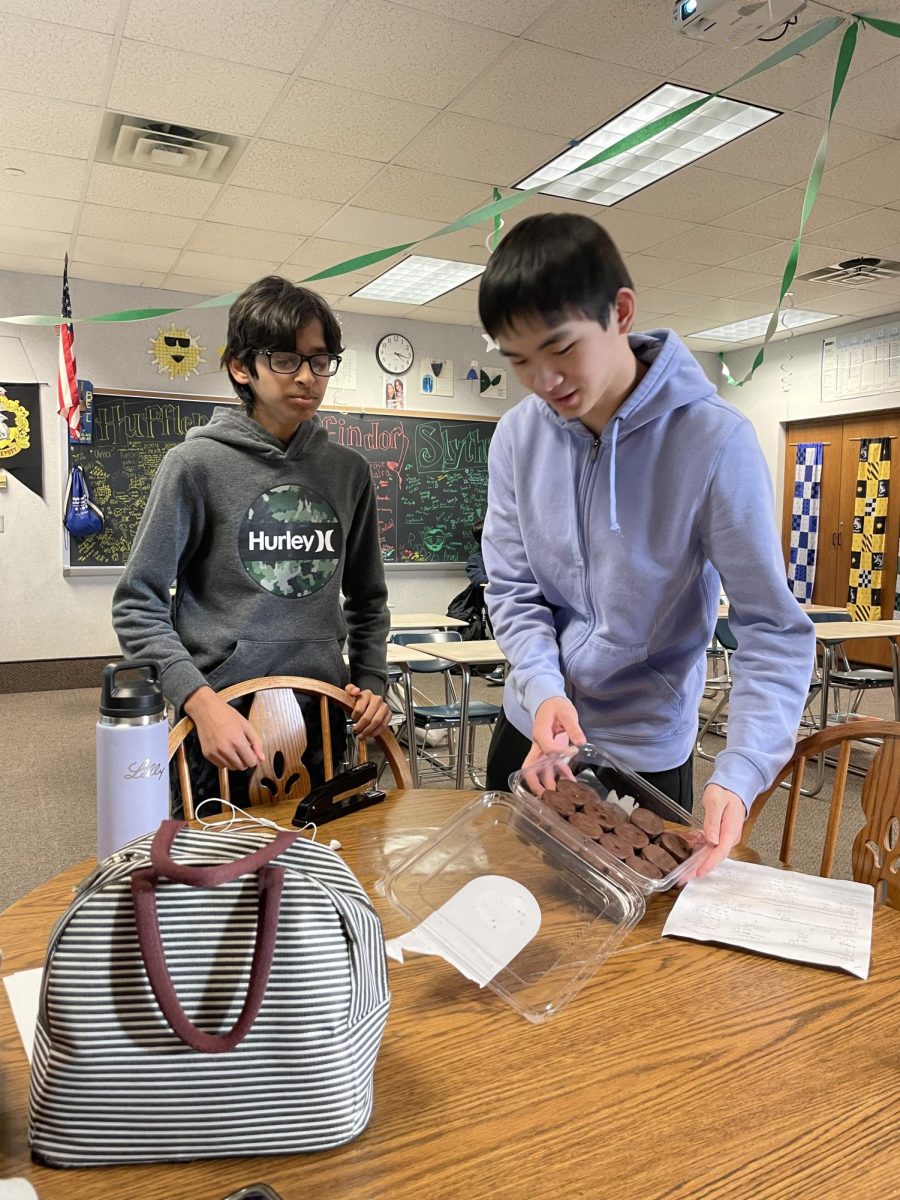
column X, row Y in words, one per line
column 284, row 362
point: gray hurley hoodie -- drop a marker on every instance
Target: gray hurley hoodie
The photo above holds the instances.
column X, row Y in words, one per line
column 261, row 540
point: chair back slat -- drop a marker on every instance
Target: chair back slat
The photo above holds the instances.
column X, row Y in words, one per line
column 278, row 719
column 876, row 850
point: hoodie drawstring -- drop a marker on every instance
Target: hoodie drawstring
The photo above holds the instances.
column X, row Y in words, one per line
column 613, row 511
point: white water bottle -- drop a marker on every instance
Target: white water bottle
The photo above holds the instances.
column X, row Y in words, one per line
column 132, row 756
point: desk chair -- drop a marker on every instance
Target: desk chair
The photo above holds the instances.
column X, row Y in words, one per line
column 279, row 720
column 856, row 680
column 876, row 850
column 718, row 685
column 445, row 717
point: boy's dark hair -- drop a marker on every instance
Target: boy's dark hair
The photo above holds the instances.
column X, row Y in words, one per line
column 266, row 316
column 551, row 266
column 478, row 530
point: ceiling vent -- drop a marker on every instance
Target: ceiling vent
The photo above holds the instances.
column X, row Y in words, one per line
column 172, row 149
column 862, row 272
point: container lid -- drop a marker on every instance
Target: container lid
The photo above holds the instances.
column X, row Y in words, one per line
column 652, row 854
column 586, row 905
column 138, row 697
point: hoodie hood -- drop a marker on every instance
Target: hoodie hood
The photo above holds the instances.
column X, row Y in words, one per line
column 673, row 380
column 233, row 427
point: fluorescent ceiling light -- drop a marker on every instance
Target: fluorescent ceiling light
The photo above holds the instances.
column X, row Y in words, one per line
column 753, row 327
column 715, row 124
column 417, row 280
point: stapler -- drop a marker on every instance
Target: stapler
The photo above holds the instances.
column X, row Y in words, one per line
column 343, row 794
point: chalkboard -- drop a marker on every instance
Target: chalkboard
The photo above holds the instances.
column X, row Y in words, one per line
column 430, row 473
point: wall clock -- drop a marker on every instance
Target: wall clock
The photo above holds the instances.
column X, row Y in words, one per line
column 394, row 354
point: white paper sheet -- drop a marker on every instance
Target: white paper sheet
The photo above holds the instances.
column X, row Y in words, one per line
column 827, row 922
column 24, row 990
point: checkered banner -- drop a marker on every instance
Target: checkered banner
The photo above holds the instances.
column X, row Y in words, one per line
column 873, row 489
column 805, row 520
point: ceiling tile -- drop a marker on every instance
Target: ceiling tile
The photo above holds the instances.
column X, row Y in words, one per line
column 873, row 178
column 203, row 287
column 51, row 60
column 323, row 117
column 565, row 94
column 301, row 172
column 335, row 286
column 841, row 301
column 774, row 260
column 402, row 53
column 459, row 299
column 419, row 194
column 605, row 29
column 237, row 241
column 711, row 246
column 38, row 242
column 220, row 266
column 866, row 101
column 101, row 16
column 276, row 38
column 45, row 174
column 378, row 308
column 30, row 264
column 792, row 83
column 778, row 216
column 874, row 232
column 782, row 151
column 37, row 212
column 636, row 231
column 270, row 210
column 107, row 274
column 720, row 312
column 378, row 228
column 317, row 254
column 47, row 126
column 650, row 272
column 149, row 191
column 661, row 301
column 698, row 195
column 724, row 281
column 191, row 89
column 512, row 16
column 104, row 252
column 468, row 148
column 466, row 245
column 151, row 229
column 443, row 316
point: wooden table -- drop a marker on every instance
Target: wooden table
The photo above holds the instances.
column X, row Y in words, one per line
column 680, row 1072
column 425, row 620
column 466, row 655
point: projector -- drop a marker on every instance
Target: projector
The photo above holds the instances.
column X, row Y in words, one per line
column 732, row 22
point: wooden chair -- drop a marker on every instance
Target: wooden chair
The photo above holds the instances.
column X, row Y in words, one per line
column 876, row 850
column 278, row 719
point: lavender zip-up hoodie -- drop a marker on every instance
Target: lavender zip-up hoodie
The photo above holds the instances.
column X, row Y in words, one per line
column 604, row 557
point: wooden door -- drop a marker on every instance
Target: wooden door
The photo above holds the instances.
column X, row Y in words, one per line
column 830, row 433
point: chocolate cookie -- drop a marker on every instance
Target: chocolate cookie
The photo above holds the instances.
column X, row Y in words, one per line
column 586, row 824
column 677, row 845
column 648, row 821
column 609, row 815
column 564, row 805
column 617, row 846
column 660, row 858
column 579, row 792
column 641, row 866
column 632, row 835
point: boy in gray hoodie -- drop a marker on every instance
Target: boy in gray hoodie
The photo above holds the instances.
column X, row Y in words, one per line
column 621, row 492
column 263, row 524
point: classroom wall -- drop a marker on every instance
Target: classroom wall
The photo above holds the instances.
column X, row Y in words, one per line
column 787, row 387
column 49, row 616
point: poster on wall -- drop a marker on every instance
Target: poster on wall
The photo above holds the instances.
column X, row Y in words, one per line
column 394, row 392
column 20, row 434
column 176, row 352
column 492, row 383
column 435, row 376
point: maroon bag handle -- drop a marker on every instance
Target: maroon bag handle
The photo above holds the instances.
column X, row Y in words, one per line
column 143, row 891
column 164, row 864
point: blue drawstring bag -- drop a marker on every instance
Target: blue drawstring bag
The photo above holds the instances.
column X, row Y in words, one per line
column 81, row 516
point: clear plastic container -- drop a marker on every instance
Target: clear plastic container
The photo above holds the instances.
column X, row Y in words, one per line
column 603, row 775
column 587, row 906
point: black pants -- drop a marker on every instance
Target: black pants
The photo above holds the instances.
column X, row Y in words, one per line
column 509, row 747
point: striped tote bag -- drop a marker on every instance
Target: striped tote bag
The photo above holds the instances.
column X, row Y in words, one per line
column 204, row 995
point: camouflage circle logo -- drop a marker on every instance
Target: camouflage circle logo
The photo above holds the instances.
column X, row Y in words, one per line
column 290, row 541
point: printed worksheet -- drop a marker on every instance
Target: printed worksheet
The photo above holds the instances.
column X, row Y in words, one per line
column 827, row 922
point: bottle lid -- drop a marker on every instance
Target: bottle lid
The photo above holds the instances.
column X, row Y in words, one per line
column 135, row 697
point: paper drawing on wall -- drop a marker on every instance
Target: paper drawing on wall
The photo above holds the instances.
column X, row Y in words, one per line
column 437, row 377
column 21, row 452
column 176, row 352
column 492, row 383
column 345, row 380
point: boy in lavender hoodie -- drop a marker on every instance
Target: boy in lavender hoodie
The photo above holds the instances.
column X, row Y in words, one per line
column 621, row 491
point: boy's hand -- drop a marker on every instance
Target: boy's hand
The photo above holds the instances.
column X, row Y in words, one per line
column 226, row 738
column 555, row 728
column 370, row 715
column 723, row 820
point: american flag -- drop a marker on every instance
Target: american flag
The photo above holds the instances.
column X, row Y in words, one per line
column 67, row 378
